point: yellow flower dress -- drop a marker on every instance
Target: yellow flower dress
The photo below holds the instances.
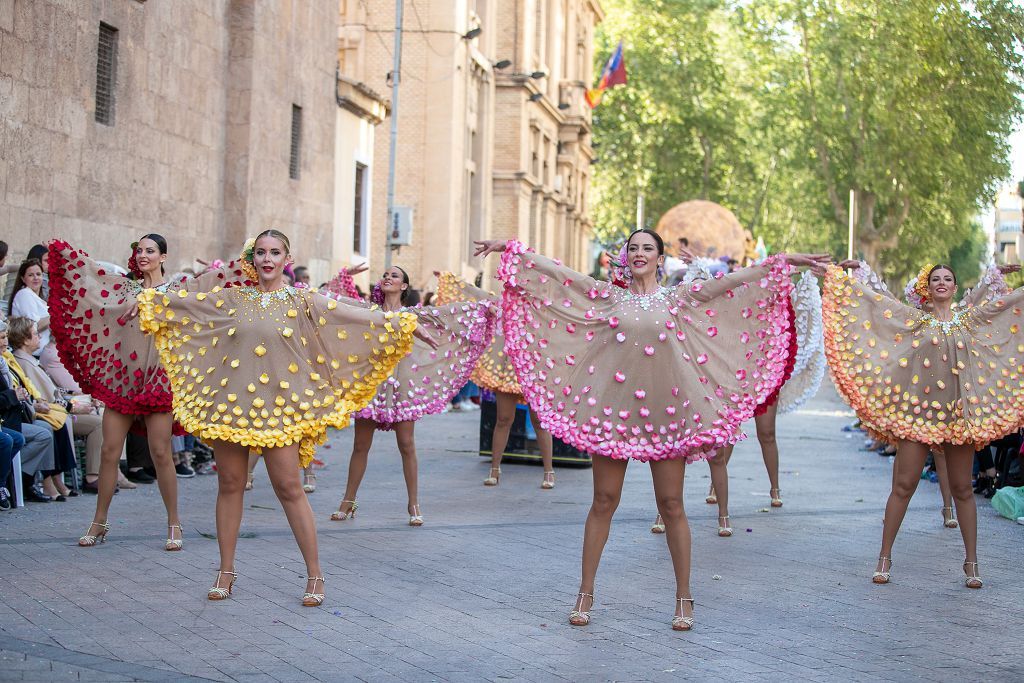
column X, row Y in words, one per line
column 911, row 376
column 270, row 369
column 494, row 370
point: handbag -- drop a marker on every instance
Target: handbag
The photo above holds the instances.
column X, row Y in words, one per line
column 56, row 417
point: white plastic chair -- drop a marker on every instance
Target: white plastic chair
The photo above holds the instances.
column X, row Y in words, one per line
column 19, row 495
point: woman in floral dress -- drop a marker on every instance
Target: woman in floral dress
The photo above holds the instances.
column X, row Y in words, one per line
column 422, row 384
column 646, row 373
column 269, row 367
column 939, row 376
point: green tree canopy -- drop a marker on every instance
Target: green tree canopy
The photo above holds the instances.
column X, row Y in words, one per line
column 778, row 108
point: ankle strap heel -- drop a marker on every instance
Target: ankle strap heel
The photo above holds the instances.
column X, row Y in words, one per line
column 219, row 593
column 679, row 622
column 314, row 599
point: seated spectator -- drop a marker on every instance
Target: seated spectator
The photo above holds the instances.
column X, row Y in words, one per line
column 11, row 442
column 37, row 454
column 28, row 302
column 50, row 409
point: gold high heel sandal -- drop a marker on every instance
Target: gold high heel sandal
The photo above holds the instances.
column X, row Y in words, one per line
column 776, row 496
column 711, row 498
column 219, row 593
column 726, row 530
column 579, row 616
column 949, row 522
column 340, row 515
column 415, row 516
column 549, row 480
column 659, row 525
column 679, row 622
column 309, row 482
column 313, row 599
column 491, row 479
column 972, row 580
column 89, row 540
column 881, row 577
column 172, row 542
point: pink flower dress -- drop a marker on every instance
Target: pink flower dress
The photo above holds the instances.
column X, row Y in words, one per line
column 426, row 380
column 672, row 374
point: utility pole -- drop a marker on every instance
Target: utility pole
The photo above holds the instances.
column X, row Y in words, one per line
column 853, row 222
column 396, row 69
column 639, row 210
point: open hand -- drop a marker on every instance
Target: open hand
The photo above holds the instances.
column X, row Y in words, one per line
column 809, row 260
column 850, row 263
column 1009, row 268
column 132, row 314
column 361, row 268
column 686, row 256
column 485, row 247
column 425, row 337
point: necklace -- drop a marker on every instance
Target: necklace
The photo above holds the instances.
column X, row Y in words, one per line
column 644, row 301
column 267, row 299
column 957, row 323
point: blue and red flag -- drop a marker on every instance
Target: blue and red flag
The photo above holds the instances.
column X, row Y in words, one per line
column 614, row 74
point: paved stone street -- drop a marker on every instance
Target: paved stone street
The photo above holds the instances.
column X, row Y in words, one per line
column 483, row 590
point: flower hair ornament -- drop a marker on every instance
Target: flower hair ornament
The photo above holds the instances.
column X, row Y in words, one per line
column 377, row 294
column 133, row 264
column 246, row 257
column 916, row 290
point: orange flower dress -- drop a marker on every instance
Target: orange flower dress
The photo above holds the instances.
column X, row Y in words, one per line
column 913, row 377
column 271, row 369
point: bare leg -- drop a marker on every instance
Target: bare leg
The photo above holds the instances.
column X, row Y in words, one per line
column 404, row 434
column 960, row 463
column 910, row 457
column 719, row 465
column 947, row 496
column 504, row 417
column 115, row 431
column 546, row 447
column 668, row 491
column 158, row 430
column 283, row 470
column 608, row 477
column 765, row 425
column 364, row 430
column 231, row 459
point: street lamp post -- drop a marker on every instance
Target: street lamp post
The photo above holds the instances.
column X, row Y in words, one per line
column 396, row 79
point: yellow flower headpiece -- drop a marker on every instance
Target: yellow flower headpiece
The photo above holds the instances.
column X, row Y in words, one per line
column 921, row 285
column 246, row 258
column 916, row 290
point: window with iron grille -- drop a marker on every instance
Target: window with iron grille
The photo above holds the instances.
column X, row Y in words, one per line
column 357, row 220
column 106, row 74
column 294, row 160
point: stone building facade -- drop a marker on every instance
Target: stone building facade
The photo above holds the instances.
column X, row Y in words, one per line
column 205, row 120
column 483, row 151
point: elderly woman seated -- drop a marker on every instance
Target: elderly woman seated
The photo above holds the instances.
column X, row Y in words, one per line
column 37, row 450
column 52, row 410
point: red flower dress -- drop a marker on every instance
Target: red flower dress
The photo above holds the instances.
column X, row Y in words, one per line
column 110, row 357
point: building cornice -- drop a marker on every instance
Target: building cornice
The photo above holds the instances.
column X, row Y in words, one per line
column 358, row 98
